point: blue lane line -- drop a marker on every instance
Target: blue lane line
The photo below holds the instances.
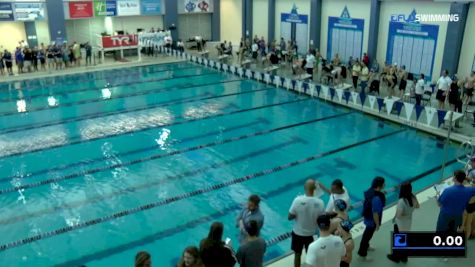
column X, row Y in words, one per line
column 60, row 79
column 115, row 112
column 172, row 231
column 159, row 156
column 154, row 127
column 85, row 89
column 98, row 99
column 176, row 198
column 136, row 188
column 130, row 152
column 359, row 204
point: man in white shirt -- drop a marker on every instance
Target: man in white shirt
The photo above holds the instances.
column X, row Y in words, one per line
column 337, row 191
column 443, row 85
column 310, row 63
column 328, row 249
column 420, row 89
column 305, row 211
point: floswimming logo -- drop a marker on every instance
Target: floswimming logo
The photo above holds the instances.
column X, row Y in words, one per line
column 413, row 17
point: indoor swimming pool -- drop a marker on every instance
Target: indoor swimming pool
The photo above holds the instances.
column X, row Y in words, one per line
column 95, row 167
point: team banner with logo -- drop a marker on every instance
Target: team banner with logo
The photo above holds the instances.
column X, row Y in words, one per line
column 120, row 41
column 195, row 6
column 6, row 12
column 105, row 8
column 81, row 9
column 128, row 7
column 412, row 44
column 151, row 7
column 345, row 36
column 294, row 26
column 29, row 11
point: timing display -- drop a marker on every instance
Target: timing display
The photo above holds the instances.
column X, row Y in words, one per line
column 428, row 244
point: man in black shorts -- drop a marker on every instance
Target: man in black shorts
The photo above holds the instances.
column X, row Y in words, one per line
column 305, row 211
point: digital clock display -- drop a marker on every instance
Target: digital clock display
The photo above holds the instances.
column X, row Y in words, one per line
column 428, row 244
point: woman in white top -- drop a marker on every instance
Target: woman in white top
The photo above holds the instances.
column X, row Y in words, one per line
column 420, row 89
column 364, row 77
column 355, row 70
column 405, row 207
column 443, row 85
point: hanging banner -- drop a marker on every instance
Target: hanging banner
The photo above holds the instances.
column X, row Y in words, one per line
column 80, row 9
column 195, row 6
column 389, row 105
column 345, row 36
column 6, row 12
column 155, row 38
column 294, row 26
column 372, row 100
column 409, row 108
column 105, row 8
column 29, row 11
column 412, row 44
column 151, row 7
column 128, row 8
column 120, row 41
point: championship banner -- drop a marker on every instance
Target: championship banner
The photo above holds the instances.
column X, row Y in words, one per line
column 6, row 12
column 128, row 7
column 151, row 7
column 195, row 6
column 105, row 8
column 79, row 10
column 29, row 11
column 120, row 41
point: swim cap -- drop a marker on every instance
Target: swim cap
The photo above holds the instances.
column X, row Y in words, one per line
column 340, row 205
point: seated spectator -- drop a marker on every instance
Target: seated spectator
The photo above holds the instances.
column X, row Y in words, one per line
column 229, row 49
column 143, row 259
column 251, row 253
column 190, row 258
column 250, row 213
column 214, row 252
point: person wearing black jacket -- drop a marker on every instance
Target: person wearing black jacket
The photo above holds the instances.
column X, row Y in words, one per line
column 374, row 201
column 214, row 252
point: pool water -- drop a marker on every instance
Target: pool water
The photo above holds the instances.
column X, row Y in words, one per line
column 95, row 167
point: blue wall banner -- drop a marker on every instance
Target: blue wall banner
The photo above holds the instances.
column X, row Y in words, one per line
column 6, row 12
column 29, row 11
column 294, row 26
column 413, row 45
column 345, row 36
column 151, row 7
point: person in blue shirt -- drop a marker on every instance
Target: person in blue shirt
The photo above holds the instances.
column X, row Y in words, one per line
column 374, row 202
column 452, row 202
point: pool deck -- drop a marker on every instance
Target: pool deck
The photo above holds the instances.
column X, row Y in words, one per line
column 424, row 219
